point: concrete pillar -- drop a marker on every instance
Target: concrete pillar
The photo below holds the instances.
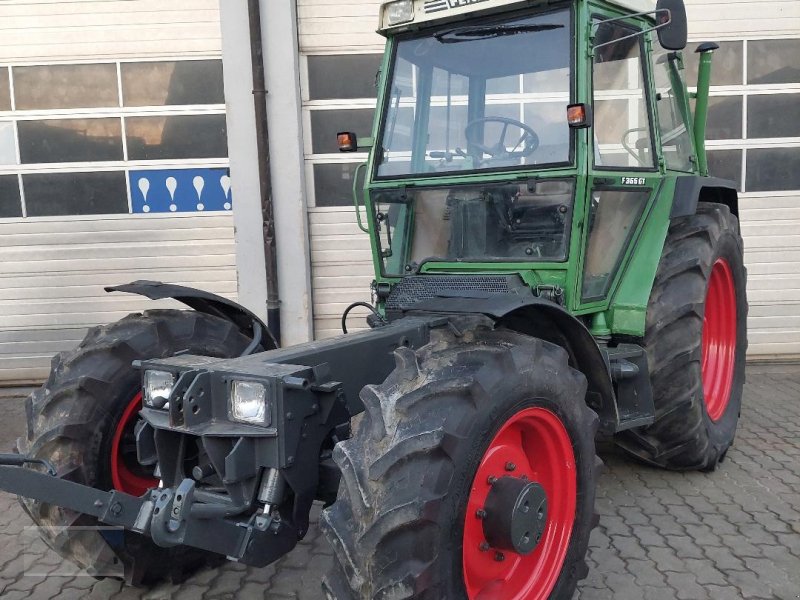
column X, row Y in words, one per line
column 281, row 66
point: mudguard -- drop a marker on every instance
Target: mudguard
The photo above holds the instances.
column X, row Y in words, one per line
column 549, row 321
column 205, row 302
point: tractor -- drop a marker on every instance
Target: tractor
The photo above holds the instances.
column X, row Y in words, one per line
column 553, row 266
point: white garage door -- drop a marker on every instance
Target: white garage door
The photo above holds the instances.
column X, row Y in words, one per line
column 113, row 165
column 754, row 138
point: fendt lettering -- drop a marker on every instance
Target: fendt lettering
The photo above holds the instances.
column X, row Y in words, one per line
column 552, row 262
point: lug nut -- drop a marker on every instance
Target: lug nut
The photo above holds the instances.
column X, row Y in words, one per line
column 480, row 513
column 510, row 466
column 484, row 547
column 499, row 556
column 492, row 479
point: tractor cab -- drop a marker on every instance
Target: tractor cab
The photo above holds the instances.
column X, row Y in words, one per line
column 524, row 137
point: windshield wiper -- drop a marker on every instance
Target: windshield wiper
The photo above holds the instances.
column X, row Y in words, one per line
column 464, row 34
column 416, row 267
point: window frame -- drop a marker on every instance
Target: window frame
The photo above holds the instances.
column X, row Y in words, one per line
column 118, row 111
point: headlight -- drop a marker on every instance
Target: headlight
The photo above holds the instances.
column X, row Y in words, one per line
column 398, row 12
column 157, row 388
column 248, row 403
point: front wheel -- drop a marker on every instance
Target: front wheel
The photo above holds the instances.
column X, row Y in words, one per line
column 82, row 420
column 471, row 475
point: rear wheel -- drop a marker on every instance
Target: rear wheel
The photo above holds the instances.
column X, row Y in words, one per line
column 696, row 344
column 82, row 420
column 471, row 475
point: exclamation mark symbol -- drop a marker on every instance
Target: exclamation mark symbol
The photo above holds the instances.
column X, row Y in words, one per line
column 144, row 187
column 199, row 183
column 225, row 183
column 172, row 185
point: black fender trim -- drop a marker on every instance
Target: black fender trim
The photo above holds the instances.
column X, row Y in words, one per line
column 549, row 321
column 692, row 189
column 204, row 302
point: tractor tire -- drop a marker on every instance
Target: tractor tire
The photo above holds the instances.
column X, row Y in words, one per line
column 82, row 421
column 696, row 343
column 464, row 409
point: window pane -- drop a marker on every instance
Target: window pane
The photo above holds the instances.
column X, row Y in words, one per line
column 5, row 92
column 70, row 140
column 48, row 194
column 675, row 139
column 727, row 68
column 343, row 76
column 612, row 222
column 65, row 86
column 725, row 118
column 8, row 152
column 9, row 196
column 774, row 169
column 618, row 75
column 173, row 82
column 773, row 61
column 184, row 136
column 773, row 116
column 333, row 184
column 726, row 164
column 325, row 124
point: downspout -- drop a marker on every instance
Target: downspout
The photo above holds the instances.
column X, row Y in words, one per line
column 264, row 171
column 706, row 52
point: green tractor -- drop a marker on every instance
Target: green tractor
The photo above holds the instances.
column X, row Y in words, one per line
column 553, row 264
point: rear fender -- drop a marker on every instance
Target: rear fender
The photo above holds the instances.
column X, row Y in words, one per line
column 205, row 302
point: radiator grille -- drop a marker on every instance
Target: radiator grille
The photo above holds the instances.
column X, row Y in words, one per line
column 414, row 288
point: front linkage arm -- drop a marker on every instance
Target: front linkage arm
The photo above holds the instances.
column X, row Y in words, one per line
column 166, row 515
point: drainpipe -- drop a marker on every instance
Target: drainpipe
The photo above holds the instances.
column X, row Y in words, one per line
column 264, row 172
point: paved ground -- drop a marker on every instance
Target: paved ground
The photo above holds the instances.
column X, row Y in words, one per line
column 733, row 534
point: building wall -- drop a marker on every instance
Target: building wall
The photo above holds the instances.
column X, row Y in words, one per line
column 113, row 165
column 754, row 138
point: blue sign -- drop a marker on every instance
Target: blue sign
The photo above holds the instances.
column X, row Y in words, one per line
column 180, row 190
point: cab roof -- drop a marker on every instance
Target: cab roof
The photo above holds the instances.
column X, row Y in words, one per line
column 428, row 12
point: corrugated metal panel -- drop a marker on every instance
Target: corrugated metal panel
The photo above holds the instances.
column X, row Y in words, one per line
column 336, row 26
column 726, row 19
column 52, row 274
column 771, row 230
column 341, row 269
column 48, row 31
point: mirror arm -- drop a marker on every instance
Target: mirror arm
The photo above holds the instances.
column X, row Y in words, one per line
column 638, row 33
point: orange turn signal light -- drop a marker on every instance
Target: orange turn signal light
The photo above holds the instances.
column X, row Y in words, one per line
column 347, row 141
column 579, row 116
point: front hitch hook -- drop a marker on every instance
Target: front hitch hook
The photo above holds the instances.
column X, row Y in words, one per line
column 20, row 460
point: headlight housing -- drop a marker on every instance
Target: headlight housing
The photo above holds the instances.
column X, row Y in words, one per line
column 398, row 12
column 157, row 387
column 248, row 403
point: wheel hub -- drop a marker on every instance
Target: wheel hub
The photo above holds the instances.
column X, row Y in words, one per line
column 516, row 514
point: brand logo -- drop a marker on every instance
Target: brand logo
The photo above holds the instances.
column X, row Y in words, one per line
column 437, row 5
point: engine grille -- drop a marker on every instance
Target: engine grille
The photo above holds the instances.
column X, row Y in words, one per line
column 422, row 287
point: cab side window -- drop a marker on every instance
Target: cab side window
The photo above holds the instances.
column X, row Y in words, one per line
column 675, row 139
column 622, row 122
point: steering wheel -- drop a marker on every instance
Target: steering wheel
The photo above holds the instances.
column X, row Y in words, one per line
column 526, row 145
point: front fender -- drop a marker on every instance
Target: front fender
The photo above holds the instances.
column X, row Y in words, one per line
column 205, row 302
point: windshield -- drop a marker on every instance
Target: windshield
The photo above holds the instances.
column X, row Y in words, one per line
column 479, row 97
column 492, row 222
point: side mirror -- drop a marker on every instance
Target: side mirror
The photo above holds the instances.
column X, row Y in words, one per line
column 672, row 24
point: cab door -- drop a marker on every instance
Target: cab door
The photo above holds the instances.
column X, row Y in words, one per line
column 624, row 168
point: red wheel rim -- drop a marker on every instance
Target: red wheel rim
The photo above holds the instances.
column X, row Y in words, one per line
column 124, row 465
column 535, row 441
column 719, row 340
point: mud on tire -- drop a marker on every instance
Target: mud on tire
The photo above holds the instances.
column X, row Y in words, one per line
column 398, row 524
column 684, row 436
column 71, row 421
